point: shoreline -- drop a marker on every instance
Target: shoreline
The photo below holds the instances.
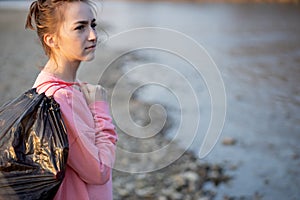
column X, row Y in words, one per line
column 185, row 178
column 257, row 47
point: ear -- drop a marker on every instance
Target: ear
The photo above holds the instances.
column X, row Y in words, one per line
column 51, row 40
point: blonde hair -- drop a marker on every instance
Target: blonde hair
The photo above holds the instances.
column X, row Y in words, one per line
column 47, row 16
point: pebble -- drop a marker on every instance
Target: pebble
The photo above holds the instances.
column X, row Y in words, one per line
column 229, row 141
column 191, row 176
column 184, row 179
column 176, row 181
column 145, row 192
column 162, row 198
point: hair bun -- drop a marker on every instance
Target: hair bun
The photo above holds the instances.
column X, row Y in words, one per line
column 32, row 14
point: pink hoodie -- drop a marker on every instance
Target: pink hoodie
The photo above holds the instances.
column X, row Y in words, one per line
column 92, row 140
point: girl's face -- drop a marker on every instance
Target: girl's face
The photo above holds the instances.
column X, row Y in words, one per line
column 77, row 36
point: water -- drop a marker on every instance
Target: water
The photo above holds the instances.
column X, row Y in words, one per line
column 257, row 50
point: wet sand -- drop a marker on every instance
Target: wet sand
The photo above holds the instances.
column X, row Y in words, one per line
column 256, row 48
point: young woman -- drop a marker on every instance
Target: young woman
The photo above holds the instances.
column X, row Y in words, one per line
column 66, row 29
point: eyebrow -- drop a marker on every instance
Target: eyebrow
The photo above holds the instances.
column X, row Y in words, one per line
column 85, row 22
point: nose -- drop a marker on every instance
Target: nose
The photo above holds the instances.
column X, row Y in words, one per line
column 92, row 35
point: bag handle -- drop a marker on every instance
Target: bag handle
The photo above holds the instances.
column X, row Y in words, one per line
column 62, row 84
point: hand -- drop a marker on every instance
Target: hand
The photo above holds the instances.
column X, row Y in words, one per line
column 93, row 93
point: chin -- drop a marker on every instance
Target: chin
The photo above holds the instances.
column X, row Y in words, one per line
column 89, row 58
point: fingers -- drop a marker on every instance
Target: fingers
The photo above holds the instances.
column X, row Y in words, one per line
column 84, row 89
column 103, row 93
column 93, row 93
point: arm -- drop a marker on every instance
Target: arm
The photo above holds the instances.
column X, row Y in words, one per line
column 105, row 138
column 91, row 146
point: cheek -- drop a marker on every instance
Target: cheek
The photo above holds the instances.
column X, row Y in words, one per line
column 71, row 40
column 73, row 45
column 78, row 42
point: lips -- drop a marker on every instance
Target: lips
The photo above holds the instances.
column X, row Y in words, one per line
column 91, row 47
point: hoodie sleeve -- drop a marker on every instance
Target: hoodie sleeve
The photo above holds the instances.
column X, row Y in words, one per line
column 91, row 135
column 106, row 137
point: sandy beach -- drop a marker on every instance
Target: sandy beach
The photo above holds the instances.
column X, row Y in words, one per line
column 256, row 48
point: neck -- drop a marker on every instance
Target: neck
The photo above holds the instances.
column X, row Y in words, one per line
column 64, row 70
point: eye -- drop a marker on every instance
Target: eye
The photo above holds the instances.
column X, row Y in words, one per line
column 81, row 27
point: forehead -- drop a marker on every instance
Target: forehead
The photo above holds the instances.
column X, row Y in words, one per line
column 78, row 11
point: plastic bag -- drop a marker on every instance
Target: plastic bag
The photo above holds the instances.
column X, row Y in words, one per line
column 33, row 146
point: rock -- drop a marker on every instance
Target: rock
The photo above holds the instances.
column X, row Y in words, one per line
column 145, row 192
column 229, row 141
column 178, row 181
column 184, row 179
column 216, row 175
column 191, row 176
column 193, row 180
column 167, row 192
column 177, row 196
column 233, row 167
column 162, row 198
column 123, row 192
column 129, row 186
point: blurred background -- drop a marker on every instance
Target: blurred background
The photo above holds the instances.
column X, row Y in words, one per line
column 255, row 45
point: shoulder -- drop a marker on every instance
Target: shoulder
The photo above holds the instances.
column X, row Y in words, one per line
column 52, row 86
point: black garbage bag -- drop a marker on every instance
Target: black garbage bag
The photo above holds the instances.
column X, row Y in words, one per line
column 33, row 146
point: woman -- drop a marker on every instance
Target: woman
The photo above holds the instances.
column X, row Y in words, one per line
column 66, row 29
